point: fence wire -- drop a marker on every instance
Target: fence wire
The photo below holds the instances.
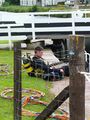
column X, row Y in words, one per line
column 33, row 105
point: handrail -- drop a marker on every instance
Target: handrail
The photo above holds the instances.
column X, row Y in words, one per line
column 43, row 24
column 87, row 59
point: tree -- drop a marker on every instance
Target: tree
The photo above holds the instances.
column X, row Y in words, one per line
column 15, row 2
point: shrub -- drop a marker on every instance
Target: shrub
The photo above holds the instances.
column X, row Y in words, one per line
column 6, row 4
column 34, row 8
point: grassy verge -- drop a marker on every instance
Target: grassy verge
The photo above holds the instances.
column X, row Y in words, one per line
column 4, row 41
column 16, row 8
column 6, row 106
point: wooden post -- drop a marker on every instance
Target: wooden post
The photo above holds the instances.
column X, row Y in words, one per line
column 77, row 80
column 17, row 81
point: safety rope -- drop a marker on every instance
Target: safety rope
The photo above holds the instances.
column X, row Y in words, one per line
column 62, row 116
column 4, row 69
column 32, row 92
column 33, row 99
column 35, row 114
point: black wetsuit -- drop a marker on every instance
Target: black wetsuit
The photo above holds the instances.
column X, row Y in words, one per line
column 48, row 73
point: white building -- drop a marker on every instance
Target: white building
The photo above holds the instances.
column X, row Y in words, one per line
column 39, row 2
column 1, row 2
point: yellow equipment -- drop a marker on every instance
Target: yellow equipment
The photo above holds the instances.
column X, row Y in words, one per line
column 27, row 64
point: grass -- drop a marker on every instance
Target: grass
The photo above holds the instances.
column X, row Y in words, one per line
column 59, row 7
column 16, row 8
column 4, row 41
column 6, row 106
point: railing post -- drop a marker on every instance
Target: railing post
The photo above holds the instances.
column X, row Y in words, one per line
column 73, row 23
column 89, row 63
column 33, row 27
column 9, row 36
column 87, row 59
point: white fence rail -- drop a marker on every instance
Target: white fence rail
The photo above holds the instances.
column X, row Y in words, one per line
column 17, row 26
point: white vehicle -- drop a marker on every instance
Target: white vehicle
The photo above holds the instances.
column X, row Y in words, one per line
column 69, row 2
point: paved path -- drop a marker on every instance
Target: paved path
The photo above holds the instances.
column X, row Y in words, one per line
column 59, row 85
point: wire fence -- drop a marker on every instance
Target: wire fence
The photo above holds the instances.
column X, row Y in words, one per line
column 36, row 92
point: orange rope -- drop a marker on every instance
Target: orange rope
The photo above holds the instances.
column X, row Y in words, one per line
column 34, row 93
column 63, row 116
column 33, row 100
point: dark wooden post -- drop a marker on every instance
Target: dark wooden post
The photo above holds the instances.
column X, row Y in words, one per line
column 17, row 81
column 77, row 80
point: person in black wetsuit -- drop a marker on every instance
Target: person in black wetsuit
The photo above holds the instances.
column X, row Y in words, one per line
column 41, row 67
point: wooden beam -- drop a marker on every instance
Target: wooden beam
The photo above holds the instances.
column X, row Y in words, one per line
column 17, row 81
column 58, row 100
column 77, row 81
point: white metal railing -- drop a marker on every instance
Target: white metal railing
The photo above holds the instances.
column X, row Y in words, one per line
column 9, row 37
column 41, row 18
